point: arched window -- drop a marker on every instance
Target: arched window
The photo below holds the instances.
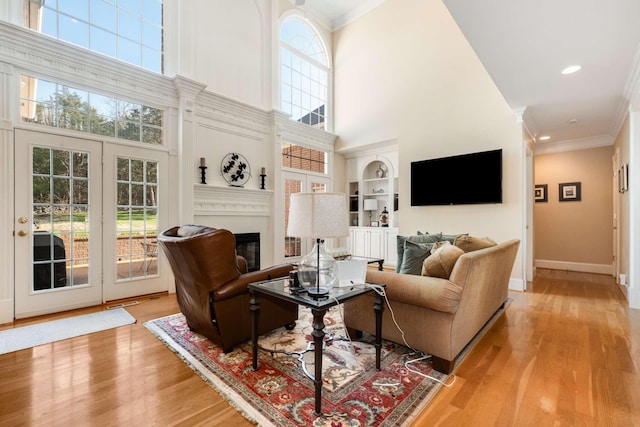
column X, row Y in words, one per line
column 304, row 72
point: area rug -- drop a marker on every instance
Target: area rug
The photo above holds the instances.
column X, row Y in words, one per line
column 280, row 394
column 56, row 330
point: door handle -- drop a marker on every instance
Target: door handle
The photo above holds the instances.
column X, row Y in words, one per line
column 22, row 233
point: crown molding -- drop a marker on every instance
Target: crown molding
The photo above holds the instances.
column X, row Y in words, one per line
column 232, row 112
column 573, row 144
column 230, row 201
column 300, row 133
column 355, row 14
column 45, row 56
column 373, row 148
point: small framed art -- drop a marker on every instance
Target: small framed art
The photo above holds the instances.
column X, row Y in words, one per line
column 570, row 192
column 540, row 193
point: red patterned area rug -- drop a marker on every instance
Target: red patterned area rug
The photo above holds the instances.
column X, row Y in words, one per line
column 280, row 394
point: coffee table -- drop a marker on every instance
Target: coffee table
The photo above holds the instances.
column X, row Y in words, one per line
column 280, row 289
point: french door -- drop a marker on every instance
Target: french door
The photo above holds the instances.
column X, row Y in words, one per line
column 58, row 233
column 87, row 216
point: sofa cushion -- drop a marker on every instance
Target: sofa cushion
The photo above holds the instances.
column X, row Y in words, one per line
column 471, row 243
column 420, row 238
column 413, row 257
column 441, row 261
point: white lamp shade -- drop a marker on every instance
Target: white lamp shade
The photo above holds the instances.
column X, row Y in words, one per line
column 318, row 215
column 370, row 205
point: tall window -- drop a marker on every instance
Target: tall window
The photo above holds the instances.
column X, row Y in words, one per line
column 304, row 72
column 128, row 30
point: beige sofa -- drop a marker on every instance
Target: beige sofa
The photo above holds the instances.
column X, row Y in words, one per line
column 439, row 316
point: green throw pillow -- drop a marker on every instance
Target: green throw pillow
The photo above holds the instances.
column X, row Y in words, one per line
column 414, row 256
column 420, row 238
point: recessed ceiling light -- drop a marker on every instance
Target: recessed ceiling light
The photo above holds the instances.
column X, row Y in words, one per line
column 572, row 69
column 544, row 138
column 572, row 121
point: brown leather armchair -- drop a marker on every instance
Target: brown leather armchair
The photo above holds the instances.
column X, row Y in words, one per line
column 211, row 285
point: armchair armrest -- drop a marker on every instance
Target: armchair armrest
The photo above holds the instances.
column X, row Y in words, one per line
column 242, row 264
column 239, row 286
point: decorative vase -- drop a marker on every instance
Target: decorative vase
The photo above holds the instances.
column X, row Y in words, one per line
column 380, row 172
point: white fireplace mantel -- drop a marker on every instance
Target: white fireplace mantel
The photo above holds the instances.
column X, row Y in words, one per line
column 230, row 201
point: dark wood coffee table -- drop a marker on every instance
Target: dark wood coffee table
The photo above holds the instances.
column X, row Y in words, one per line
column 280, row 289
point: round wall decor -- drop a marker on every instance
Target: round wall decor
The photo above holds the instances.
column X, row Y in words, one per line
column 235, row 169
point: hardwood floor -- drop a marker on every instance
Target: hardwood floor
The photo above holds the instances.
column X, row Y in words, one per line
column 566, row 353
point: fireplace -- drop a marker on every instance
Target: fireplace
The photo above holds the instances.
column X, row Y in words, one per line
column 248, row 246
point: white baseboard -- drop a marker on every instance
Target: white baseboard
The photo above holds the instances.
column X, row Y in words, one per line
column 6, row 311
column 575, row 266
column 516, row 284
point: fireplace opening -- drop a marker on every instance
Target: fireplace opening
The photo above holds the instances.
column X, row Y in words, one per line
column 248, row 246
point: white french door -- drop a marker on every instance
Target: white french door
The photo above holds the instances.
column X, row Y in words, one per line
column 295, row 182
column 87, row 217
column 58, row 231
column 138, row 182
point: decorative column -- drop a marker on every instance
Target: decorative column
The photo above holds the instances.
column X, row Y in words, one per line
column 8, row 103
column 187, row 90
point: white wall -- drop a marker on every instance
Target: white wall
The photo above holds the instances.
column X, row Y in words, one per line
column 405, row 71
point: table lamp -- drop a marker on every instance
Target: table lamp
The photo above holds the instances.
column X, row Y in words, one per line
column 318, row 216
column 370, row 205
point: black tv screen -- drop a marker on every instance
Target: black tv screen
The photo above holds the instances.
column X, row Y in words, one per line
column 466, row 179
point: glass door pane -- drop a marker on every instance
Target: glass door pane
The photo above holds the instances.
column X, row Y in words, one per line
column 136, row 218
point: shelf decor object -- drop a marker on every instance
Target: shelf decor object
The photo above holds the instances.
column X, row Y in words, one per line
column 384, row 218
column 235, row 169
column 318, row 216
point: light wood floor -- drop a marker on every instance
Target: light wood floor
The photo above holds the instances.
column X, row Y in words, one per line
column 566, row 353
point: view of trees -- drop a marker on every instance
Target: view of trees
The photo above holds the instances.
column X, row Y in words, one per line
column 66, row 109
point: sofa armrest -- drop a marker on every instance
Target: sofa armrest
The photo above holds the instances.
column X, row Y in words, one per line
column 424, row 291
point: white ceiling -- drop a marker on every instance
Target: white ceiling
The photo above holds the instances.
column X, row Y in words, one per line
column 525, row 44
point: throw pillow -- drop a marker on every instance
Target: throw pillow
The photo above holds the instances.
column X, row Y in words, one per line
column 451, row 238
column 471, row 243
column 421, row 238
column 441, row 261
column 414, row 256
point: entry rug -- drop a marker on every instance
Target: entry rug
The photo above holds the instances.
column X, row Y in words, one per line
column 56, row 330
column 280, row 394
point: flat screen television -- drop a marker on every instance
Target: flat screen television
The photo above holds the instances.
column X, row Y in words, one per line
column 466, row 179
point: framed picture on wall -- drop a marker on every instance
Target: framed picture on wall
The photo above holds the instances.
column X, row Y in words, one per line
column 540, row 193
column 570, row 192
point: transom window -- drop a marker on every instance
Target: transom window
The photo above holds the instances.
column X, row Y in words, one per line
column 128, row 30
column 304, row 158
column 304, row 72
column 53, row 104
